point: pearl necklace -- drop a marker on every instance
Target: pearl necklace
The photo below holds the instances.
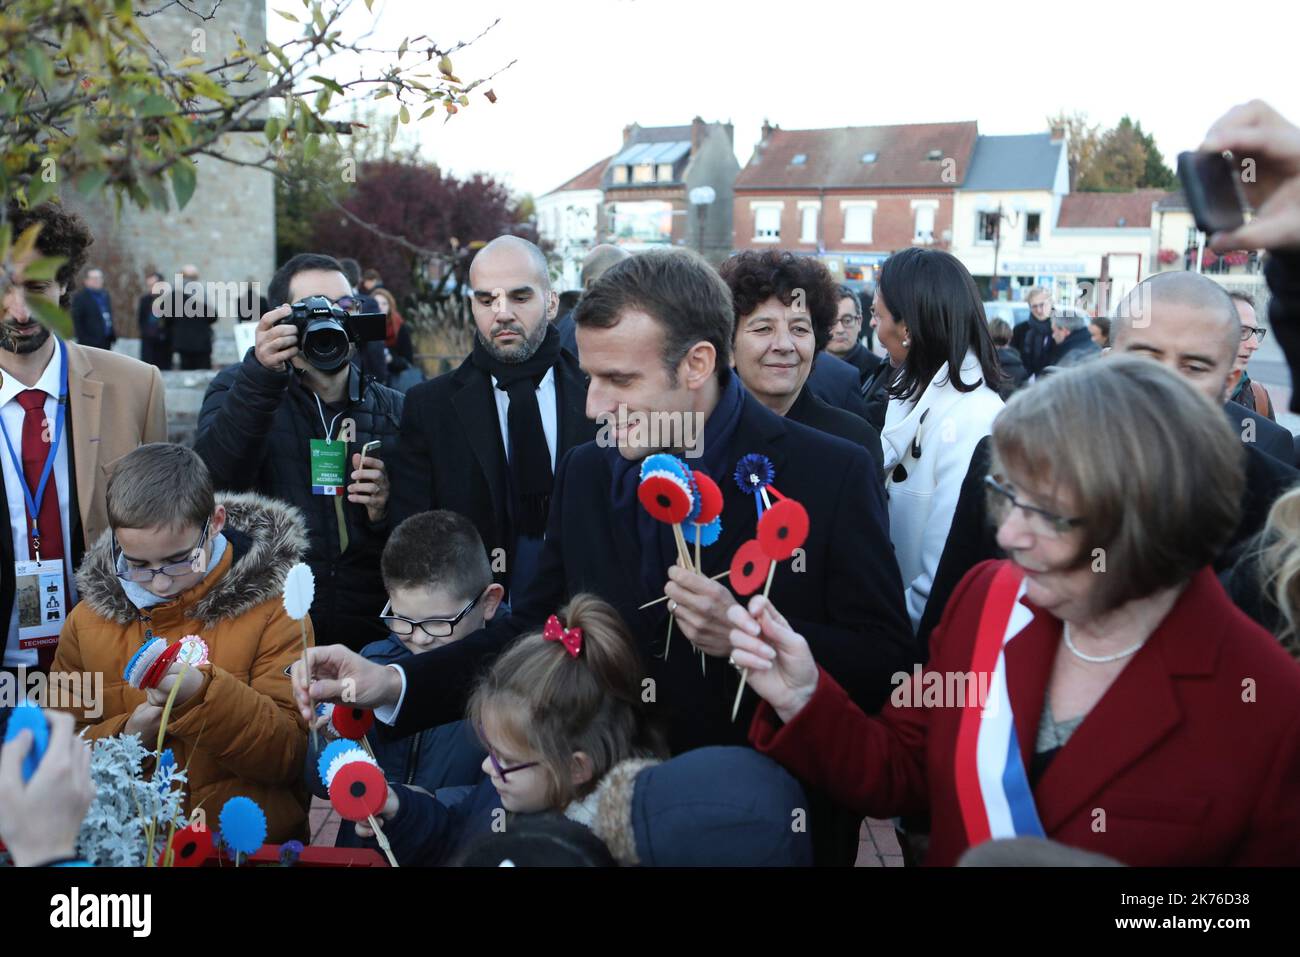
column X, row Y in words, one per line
column 1098, row 659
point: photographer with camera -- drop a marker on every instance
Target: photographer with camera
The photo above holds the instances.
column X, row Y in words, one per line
column 292, row 420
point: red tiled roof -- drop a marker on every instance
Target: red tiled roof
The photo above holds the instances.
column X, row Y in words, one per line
column 589, row 178
column 834, row 157
column 1105, row 210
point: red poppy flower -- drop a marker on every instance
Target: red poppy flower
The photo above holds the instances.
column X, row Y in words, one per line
column 782, row 529
column 749, row 567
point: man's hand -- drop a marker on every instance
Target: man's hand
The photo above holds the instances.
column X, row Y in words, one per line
column 145, row 721
column 40, row 819
column 369, row 486
column 1257, row 133
column 342, row 676
column 700, row 606
column 276, row 345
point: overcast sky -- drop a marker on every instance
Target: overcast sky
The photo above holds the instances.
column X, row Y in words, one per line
column 588, row 67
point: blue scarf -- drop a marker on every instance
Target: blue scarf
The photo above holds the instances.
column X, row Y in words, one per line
column 658, row 550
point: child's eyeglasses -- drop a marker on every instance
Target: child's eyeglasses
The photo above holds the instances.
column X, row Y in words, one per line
column 496, row 764
column 144, row 576
column 433, row 627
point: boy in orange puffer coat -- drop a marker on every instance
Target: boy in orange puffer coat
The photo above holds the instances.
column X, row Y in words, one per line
column 178, row 562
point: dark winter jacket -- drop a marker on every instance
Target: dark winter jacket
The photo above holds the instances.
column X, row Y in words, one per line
column 1014, row 368
column 253, row 433
column 720, row 807
column 1033, row 340
column 1075, row 348
column 449, row 755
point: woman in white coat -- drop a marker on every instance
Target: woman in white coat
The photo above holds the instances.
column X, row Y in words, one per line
column 929, row 316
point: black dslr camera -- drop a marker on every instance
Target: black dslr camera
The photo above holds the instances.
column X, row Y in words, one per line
column 325, row 330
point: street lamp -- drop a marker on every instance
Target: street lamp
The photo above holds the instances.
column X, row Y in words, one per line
column 1013, row 218
column 701, row 198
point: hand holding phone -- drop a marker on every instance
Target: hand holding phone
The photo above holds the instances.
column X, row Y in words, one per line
column 1211, row 186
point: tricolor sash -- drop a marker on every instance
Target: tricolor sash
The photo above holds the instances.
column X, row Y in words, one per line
column 992, row 787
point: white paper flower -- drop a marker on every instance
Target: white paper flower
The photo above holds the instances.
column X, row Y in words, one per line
column 299, row 590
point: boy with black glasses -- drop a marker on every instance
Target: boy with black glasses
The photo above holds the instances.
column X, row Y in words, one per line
column 440, row 589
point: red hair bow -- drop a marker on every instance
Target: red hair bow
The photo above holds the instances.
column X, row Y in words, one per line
column 571, row 638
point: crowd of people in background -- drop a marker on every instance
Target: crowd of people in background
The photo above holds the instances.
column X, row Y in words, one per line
column 1098, row 517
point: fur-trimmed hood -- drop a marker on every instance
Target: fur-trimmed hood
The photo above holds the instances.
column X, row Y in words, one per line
column 269, row 538
column 715, row 806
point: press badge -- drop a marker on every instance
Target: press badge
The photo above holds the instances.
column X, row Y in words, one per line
column 328, row 467
column 41, row 602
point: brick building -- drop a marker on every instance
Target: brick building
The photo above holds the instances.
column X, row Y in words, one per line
column 852, row 195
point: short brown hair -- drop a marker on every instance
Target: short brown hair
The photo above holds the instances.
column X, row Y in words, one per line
column 676, row 288
column 1000, row 331
column 1154, row 469
column 63, row 233
column 160, row 485
column 439, row 548
column 556, row 704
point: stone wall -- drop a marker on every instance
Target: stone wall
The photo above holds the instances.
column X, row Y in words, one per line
column 228, row 228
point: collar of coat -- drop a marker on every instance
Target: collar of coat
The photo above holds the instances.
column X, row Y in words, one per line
column 276, row 540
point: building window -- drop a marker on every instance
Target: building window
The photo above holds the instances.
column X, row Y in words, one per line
column 767, row 224
column 665, row 173
column 868, row 157
column 924, row 234
column 1033, row 227
column 986, row 227
column 857, row 224
column 799, row 159
column 620, row 174
column 934, row 155
column 808, row 224
column 643, row 173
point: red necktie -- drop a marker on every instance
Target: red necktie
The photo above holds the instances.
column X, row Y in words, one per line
column 37, row 439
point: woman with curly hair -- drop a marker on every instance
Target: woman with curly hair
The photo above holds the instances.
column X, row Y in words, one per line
column 785, row 306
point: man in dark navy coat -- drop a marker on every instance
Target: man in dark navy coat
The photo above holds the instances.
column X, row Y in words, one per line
column 655, row 337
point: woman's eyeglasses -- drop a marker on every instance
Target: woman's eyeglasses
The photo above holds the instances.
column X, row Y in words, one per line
column 144, row 576
column 433, row 627
column 1041, row 522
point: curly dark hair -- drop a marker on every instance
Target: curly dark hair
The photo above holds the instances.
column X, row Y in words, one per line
column 63, row 233
column 755, row 277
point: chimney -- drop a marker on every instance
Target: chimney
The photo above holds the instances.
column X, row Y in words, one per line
column 1058, row 134
column 697, row 131
column 731, row 132
column 768, row 128
column 628, row 132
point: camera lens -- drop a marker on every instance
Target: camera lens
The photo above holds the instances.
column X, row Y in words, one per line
column 325, row 344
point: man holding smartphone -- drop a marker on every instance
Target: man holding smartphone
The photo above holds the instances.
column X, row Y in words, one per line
column 313, row 430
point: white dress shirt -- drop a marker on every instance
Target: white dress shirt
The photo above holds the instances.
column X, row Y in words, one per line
column 545, row 404
column 12, row 414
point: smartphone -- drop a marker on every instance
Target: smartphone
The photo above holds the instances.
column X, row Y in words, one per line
column 368, row 448
column 1213, row 192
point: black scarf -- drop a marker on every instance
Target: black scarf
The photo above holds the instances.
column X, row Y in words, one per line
column 531, row 478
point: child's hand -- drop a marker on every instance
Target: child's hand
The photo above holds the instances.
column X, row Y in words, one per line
column 364, row 830
column 145, row 720
column 40, row 819
column 190, row 685
column 325, row 726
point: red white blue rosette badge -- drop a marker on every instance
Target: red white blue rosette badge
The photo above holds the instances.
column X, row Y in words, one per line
column 194, row 651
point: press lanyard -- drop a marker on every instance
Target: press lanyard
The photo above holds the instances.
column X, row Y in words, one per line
column 329, row 429
column 34, row 501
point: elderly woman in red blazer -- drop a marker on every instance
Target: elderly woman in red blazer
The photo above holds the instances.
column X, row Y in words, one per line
column 1098, row 688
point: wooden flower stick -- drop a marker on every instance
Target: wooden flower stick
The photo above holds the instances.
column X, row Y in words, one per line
column 382, row 838
column 162, row 732
column 306, row 667
column 698, row 566
column 744, row 672
column 663, row 598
